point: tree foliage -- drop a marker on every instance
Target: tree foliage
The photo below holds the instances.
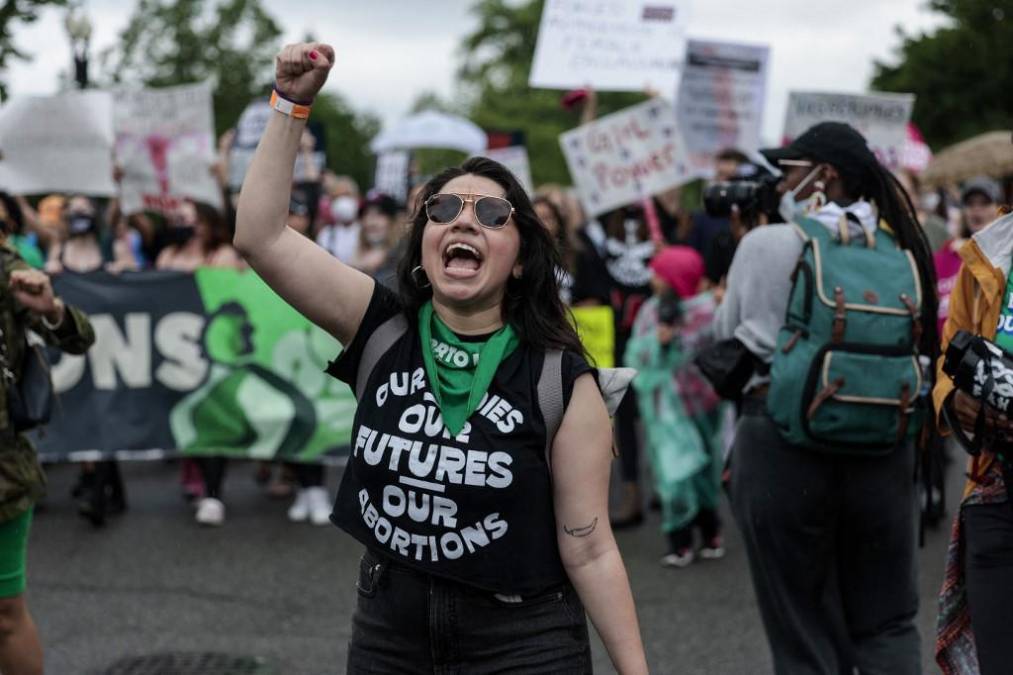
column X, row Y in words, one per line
column 348, row 136
column 497, row 62
column 231, row 42
column 13, row 13
column 962, row 74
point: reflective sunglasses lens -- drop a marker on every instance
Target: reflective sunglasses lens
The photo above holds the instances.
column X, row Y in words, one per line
column 493, row 211
column 443, row 208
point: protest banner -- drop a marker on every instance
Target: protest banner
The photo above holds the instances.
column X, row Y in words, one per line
column 250, row 128
column 597, row 331
column 611, row 46
column 391, row 177
column 61, row 143
column 626, row 156
column 209, row 363
column 514, row 158
column 720, row 99
column 881, row 118
column 165, row 147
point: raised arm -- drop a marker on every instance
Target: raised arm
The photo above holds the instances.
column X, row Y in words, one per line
column 581, row 458
column 326, row 291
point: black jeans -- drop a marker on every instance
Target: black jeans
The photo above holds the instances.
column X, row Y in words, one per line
column 409, row 622
column 988, row 570
column 831, row 546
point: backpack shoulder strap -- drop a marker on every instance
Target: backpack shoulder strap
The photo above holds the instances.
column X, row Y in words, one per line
column 550, row 398
column 382, row 339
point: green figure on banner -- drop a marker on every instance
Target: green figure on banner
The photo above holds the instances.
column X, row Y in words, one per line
column 243, row 408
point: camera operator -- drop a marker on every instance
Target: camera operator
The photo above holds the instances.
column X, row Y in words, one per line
column 976, row 602
column 830, row 536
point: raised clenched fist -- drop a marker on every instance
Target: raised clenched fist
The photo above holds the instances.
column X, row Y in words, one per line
column 301, row 70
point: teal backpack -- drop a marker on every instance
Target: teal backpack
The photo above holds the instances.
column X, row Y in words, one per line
column 845, row 376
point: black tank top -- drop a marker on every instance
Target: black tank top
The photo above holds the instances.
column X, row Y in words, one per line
column 476, row 508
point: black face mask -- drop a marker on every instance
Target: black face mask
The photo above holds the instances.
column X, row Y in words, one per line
column 179, row 235
column 80, row 225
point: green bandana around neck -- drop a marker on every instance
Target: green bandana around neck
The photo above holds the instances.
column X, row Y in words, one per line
column 460, row 372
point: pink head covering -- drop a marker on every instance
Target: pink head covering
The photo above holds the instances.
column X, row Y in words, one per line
column 681, row 267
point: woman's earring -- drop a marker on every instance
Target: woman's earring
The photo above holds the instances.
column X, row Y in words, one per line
column 415, row 271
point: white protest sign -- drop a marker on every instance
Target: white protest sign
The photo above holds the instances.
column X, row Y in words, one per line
column 165, row 147
column 391, row 177
column 60, row 143
column 612, row 45
column 626, row 156
column 720, row 99
column 514, row 158
column 249, row 129
column 881, row 118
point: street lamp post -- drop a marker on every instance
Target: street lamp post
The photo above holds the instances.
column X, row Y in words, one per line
column 79, row 30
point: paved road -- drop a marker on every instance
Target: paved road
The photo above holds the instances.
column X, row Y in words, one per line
column 152, row 581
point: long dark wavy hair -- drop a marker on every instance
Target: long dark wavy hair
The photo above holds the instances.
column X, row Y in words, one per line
column 531, row 304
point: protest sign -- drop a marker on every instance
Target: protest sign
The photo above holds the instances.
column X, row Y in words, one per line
column 60, row 143
column 165, row 147
column 210, row 363
column 391, row 177
column 625, row 156
column 596, row 329
column 250, row 128
column 881, row 118
column 514, row 158
column 611, row 46
column 720, row 99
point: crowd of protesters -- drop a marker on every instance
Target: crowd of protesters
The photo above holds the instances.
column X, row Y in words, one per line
column 678, row 280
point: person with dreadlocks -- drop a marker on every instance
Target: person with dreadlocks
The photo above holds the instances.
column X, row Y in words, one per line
column 830, row 535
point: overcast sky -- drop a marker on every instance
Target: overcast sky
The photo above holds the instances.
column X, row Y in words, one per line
column 389, row 51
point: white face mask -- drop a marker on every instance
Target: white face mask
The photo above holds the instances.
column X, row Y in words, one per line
column 791, row 210
column 345, row 209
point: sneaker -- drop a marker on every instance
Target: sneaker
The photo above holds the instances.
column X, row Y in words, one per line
column 683, row 557
column 300, row 509
column 211, row 512
column 712, row 549
column 319, row 505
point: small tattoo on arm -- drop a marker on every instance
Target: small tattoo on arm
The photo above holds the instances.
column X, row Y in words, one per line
column 581, row 531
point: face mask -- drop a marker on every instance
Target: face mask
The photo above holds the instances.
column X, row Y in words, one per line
column 179, row 235
column 80, row 225
column 345, row 209
column 789, row 209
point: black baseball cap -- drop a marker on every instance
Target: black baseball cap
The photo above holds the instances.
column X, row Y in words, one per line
column 835, row 143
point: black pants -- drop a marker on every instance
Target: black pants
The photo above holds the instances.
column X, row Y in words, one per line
column 409, row 622
column 307, row 475
column 988, row 550
column 212, row 470
column 831, row 546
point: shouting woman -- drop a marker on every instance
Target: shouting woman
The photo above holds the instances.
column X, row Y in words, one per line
column 486, row 530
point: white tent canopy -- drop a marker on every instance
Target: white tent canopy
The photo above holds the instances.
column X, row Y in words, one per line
column 431, row 129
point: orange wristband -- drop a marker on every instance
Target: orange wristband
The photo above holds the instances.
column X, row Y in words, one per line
column 287, row 107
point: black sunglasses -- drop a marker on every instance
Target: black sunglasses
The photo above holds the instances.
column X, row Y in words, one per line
column 491, row 212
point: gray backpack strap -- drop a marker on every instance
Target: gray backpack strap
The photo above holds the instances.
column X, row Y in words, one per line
column 550, row 398
column 382, row 339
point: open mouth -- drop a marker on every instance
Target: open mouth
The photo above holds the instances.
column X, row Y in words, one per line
column 461, row 257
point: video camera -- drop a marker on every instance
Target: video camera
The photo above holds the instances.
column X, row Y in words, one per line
column 984, row 371
column 753, row 189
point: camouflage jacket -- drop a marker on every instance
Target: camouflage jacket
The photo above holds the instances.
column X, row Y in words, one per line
column 22, row 482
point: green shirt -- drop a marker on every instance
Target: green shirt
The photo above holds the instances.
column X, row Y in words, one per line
column 1004, row 331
